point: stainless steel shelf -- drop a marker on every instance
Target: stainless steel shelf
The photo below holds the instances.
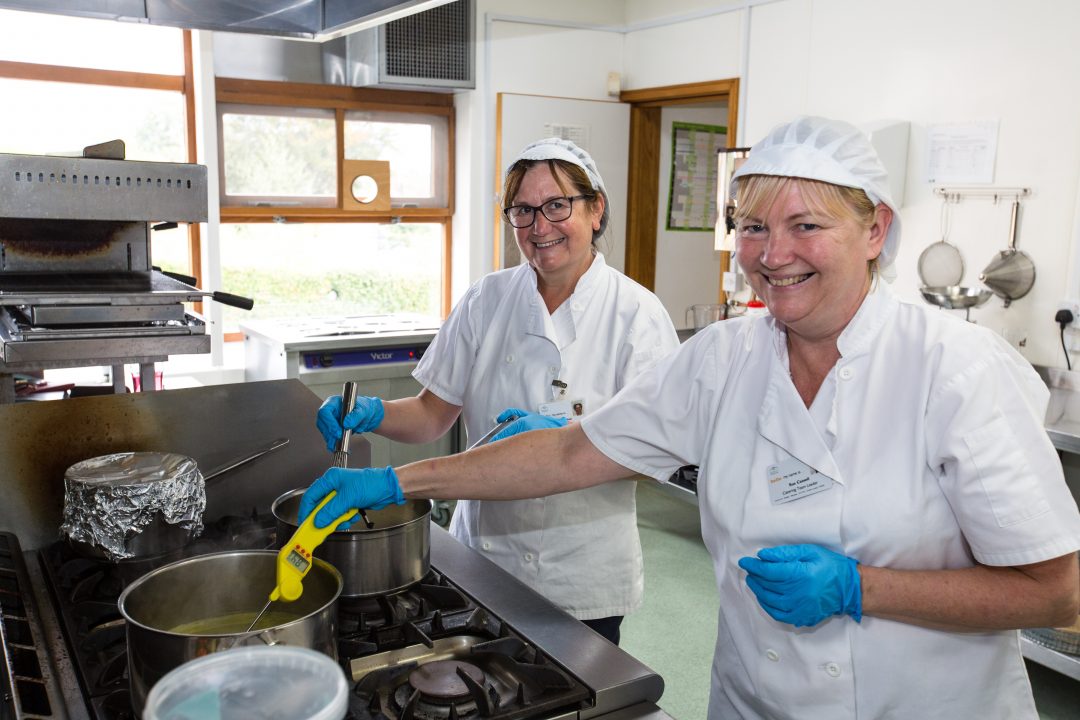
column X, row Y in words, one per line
column 1061, row 662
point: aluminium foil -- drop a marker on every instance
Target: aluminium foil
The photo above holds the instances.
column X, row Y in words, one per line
column 109, row 501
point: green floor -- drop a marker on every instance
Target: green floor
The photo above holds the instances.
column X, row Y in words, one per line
column 675, row 632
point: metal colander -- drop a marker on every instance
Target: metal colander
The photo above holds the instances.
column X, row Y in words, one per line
column 940, row 264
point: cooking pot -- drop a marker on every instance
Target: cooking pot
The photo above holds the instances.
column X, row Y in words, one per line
column 390, row 556
column 136, row 505
column 162, row 606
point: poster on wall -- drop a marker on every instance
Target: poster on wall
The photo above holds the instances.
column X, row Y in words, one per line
column 692, row 196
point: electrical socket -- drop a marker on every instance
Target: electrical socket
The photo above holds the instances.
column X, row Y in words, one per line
column 1072, row 306
column 732, row 282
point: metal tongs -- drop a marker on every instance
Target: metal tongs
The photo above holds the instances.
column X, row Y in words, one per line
column 341, row 454
column 491, row 433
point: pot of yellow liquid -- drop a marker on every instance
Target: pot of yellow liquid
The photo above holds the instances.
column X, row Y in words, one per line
column 205, row 604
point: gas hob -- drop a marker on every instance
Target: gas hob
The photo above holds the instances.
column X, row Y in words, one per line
column 430, row 652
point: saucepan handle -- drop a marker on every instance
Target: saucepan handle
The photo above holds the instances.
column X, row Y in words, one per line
column 237, row 462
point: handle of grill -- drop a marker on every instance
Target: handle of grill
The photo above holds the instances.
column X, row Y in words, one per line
column 341, row 454
column 186, row 279
column 236, row 301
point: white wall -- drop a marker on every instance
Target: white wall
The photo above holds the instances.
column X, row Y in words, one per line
column 923, row 61
column 931, row 62
column 687, row 266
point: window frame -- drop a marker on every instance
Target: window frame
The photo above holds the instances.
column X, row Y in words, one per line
column 341, row 99
column 232, row 92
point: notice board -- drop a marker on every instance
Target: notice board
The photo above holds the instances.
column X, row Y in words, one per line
column 692, row 194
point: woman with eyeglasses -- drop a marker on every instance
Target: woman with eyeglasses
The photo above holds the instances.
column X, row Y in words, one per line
column 545, row 342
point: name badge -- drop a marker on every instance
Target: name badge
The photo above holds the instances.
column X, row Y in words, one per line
column 560, row 409
column 793, row 479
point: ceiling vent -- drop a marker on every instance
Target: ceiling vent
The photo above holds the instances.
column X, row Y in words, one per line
column 433, row 49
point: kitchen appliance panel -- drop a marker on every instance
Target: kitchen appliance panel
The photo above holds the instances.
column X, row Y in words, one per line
column 324, row 353
column 72, row 188
column 51, row 246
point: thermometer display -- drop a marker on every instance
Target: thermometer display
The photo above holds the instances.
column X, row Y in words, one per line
column 297, row 560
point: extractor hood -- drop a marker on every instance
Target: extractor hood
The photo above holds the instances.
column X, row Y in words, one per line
column 305, row 19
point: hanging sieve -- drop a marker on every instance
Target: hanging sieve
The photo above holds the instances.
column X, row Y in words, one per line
column 940, row 264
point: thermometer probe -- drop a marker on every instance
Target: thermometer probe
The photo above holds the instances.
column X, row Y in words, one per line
column 295, row 557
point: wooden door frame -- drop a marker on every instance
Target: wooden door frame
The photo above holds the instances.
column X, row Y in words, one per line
column 643, row 187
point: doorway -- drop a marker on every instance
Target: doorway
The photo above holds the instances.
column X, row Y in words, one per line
column 644, row 188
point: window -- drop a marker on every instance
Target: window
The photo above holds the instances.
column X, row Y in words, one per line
column 61, row 117
column 48, row 39
column 275, row 156
column 414, row 146
column 289, row 237
column 332, row 269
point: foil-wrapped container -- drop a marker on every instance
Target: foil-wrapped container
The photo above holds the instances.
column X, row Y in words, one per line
column 133, row 504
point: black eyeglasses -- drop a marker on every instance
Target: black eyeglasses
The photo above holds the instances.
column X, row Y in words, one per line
column 555, row 210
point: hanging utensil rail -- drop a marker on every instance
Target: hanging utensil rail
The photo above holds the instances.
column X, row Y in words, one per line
column 955, row 194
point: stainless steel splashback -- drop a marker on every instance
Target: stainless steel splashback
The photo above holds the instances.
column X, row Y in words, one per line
column 40, row 440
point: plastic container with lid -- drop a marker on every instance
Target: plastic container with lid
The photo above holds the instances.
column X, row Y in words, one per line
column 276, row 682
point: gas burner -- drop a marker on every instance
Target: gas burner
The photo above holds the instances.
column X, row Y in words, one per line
column 373, row 624
column 459, row 677
column 445, row 689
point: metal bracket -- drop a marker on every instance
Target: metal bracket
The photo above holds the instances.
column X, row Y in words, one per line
column 955, row 194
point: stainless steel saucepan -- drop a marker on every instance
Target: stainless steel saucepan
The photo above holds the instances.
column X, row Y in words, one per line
column 204, row 604
column 390, row 556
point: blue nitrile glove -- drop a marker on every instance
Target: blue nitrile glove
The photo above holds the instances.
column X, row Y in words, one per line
column 525, row 422
column 363, row 489
column 804, row 584
column 365, row 416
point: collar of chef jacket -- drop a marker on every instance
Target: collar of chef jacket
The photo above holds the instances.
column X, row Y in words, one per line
column 784, row 419
column 539, row 321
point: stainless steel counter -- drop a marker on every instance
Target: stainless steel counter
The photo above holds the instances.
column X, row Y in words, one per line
column 619, row 680
column 1063, row 413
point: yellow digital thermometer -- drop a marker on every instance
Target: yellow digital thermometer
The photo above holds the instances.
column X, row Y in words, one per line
column 295, row 557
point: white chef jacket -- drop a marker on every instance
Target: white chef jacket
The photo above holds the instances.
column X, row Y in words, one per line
column 500, row 348
column 931, row 428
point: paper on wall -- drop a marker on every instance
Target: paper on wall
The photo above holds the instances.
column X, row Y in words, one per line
column 962, row 152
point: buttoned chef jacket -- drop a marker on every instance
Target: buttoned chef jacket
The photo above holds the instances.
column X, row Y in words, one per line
column 501, row 348
column 931, row 428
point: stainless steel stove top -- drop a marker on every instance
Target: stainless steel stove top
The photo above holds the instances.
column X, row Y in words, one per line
column 535, row 652
column 291, row 330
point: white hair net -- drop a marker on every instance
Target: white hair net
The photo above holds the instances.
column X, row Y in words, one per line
column 831, row 151
column 559, row 149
